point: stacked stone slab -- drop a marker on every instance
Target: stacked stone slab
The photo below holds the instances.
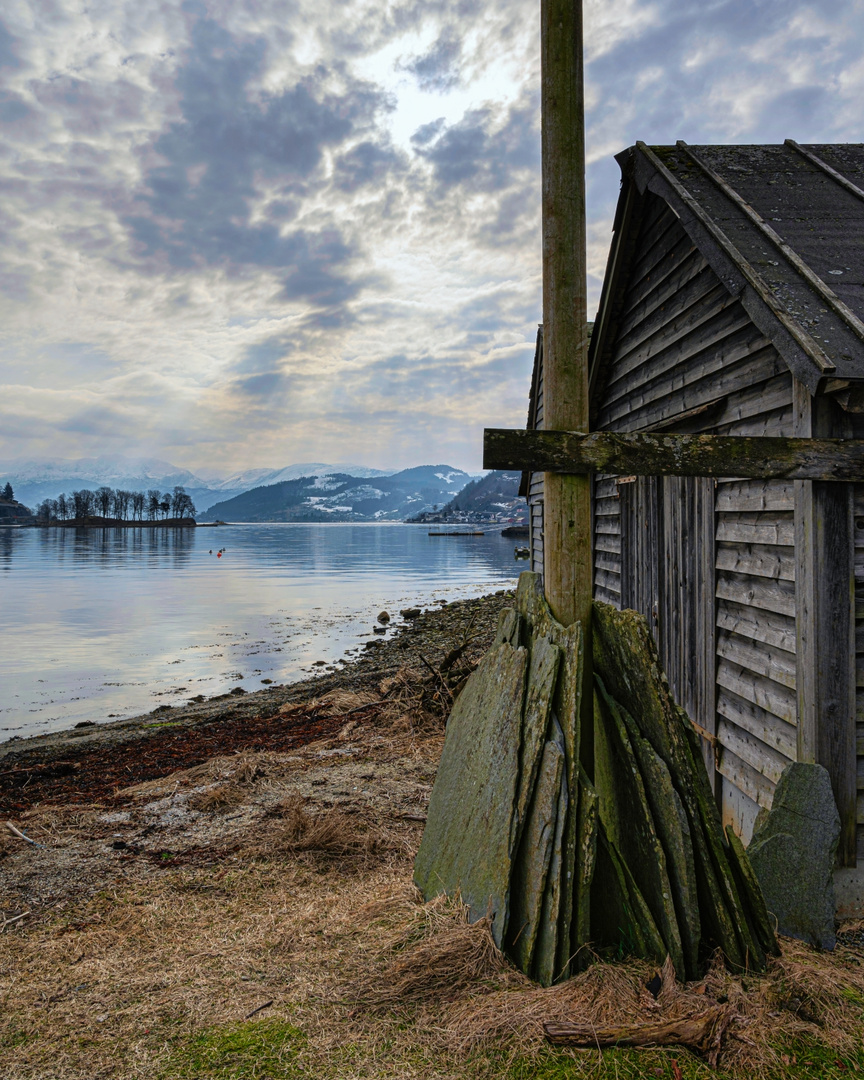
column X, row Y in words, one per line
column 625, row 850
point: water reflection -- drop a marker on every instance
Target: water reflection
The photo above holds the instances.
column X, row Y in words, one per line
column 117, row 621
column 106, row 547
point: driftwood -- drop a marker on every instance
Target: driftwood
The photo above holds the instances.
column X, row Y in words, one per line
column 702, row 1033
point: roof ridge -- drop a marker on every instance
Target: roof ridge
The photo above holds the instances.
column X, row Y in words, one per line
column 825, row 292
column 791, row 325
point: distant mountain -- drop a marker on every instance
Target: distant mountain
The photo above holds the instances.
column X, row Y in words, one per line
column 244, row 481
column 45, row 478
column 491, row 498
column 340, row 497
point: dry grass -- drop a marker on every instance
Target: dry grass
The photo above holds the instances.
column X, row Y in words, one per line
column 156, row 971
column 329, row 834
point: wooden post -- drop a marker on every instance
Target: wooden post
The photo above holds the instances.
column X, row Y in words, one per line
column 567, row 565
column 825, row 621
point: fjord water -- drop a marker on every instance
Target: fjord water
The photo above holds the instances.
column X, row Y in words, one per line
column 104, row 623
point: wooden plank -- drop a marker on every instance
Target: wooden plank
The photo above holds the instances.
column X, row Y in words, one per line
column 663, row 244
column 690, row 353
column 773, row 530
column 754, row 592
column 824, row 547
column 745, row 779
column 753, row 495
column 737, row 810
column 763, row 725
column 608, row 596
column 757, row 559
column 777, row 421
column 565, row 452
column 610, row 581
column 760, row 399
column 608, row 542
column 761, row 659
column 606, row 508
column 768, row 695
column 683, row 392
column 693, row 305
column 761, row 758
column 604, row 562
column 609, row 525
column 757, row 624
column 676, row 273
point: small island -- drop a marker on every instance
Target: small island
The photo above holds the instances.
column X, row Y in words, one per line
column 115, row 508
column 11, row 511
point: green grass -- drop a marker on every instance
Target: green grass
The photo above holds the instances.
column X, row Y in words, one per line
column 255, row 1050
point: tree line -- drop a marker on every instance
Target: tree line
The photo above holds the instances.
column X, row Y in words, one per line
column 118, row 505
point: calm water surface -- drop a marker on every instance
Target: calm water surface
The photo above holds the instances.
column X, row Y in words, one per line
column 96, row 624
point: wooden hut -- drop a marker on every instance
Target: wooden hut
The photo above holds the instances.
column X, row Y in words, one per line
column 732, row 304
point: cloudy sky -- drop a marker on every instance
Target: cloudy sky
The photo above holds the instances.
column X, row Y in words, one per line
column 239, row 233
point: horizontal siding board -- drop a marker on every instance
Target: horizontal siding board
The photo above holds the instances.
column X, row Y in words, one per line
column 755, row 495
column 680, row 271
column 660, row 405
column 647, row 374
column 768, row 695
column 608, row 542
column 698, row 301
column 754, row 785
column 761, row 758
column 758, row 658
column 607, row 596
column 754, row 592
column 759, row 560
column 757, row 624
column 779, row 422
column 777, row 530
column 759, row 723
column 607, row 580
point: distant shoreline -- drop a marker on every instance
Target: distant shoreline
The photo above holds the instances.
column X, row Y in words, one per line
column 114, row 523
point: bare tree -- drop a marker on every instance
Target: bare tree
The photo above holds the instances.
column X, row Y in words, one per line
column 104, row 496
column 153, row 501
column 62, row 507
column 165, row 505
column 83, row 501
column 138, row 505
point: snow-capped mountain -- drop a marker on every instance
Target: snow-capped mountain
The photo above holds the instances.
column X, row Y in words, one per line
column 340, row 497
column 45, row 478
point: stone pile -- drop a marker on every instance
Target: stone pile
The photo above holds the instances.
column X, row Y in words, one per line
column 570, row 841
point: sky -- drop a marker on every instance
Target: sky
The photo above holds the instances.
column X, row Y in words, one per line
column 247, row 233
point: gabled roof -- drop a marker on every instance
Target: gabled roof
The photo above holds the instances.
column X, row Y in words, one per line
column 783, row 229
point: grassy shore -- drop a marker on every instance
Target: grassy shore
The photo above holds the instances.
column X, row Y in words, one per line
column 226, row 893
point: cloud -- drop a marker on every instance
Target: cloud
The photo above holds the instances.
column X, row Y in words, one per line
column 256, row 231
column 438, row 68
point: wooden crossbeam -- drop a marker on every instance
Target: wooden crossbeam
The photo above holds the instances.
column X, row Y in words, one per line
column 763, row 458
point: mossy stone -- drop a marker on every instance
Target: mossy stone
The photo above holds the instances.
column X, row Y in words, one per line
column 468, row 842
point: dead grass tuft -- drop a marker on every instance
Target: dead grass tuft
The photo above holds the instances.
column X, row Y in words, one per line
column 441, row 956
column 236, row 768
column 329, row 834
column 218, row 799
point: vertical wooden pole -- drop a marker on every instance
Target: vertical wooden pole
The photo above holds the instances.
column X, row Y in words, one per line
column 567, row 564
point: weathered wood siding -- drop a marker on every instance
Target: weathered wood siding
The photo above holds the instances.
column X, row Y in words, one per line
column 535, row 487
column 710, row 566
column 859, row 658
column 607, row 540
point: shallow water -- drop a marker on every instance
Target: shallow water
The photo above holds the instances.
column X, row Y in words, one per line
column 102, row 623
